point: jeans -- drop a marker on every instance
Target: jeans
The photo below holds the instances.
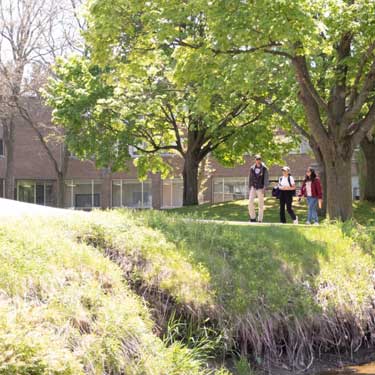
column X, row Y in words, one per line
column 312, row 214
column 260, row 194
column 286, row 198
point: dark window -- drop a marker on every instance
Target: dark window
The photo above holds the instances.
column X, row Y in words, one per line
column 84, row 200
column 26, row 192
column 137, row 196
column 35, row 192
column 39, row 190
column 1, row 147
column 50, row 198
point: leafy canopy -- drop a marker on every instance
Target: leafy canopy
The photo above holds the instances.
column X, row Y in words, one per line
column 137, row 91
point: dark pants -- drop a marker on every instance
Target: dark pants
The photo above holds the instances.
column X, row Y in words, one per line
column 286, row 199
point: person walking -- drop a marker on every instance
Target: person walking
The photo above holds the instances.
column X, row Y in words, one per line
column 312, row 190
column 287, row 187
column 258, row 182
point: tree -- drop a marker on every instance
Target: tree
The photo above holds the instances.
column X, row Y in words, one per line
column 52, row 138
column 31, row 36
column 154, row 107
column 327, row 45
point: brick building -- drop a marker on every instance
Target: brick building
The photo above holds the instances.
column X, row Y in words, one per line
column 35, row 177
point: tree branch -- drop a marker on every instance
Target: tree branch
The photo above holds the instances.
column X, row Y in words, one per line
column 354, row 91
column 211, row 147
column 26, row 116
column 364, row 126
column 156, row 148
column 304, row 79
column 362, row 97
column 284, row 114
column 173, row 121
column 269, row 48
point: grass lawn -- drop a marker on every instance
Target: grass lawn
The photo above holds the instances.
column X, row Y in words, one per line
column 237, row 211
column 117, row 291
column 280, row 288
column 66, row 308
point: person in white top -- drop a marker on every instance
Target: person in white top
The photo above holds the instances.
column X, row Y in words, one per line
column 287, row 188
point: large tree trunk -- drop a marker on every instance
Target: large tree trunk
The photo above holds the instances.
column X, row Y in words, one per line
column 61, row 173
column 190, row 179
column 339, row 187
column 60, row 190
column 368, row 148
column 9, row 139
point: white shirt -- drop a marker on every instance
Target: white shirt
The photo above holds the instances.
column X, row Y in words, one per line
column 308, row 189
column 283, row 181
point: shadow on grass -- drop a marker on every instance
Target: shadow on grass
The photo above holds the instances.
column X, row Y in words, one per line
column 283, row 291
column 364, row 212
column 251, row 266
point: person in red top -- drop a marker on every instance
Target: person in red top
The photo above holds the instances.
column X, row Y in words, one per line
column 312, row 190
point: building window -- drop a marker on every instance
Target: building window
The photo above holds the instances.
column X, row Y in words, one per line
column 229, row 188
column 172, row 193
column 356, row 188
column 305, row 146
column 38, row 192
column 82, row 194
column 131, row 193
column 1, row 147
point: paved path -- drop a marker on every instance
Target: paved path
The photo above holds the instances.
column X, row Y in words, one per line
column 11, row 208
column 243, row 223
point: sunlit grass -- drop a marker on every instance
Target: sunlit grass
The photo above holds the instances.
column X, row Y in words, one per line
column 81, row 294
column 65, row 308
column 364, row 212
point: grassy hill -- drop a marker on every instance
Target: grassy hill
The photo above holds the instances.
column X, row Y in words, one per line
column 65, row 307
column 364, row 212
column 127, row 292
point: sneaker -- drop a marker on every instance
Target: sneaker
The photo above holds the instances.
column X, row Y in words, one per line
column 316, row 223
column 295, row 221
column 307, row 222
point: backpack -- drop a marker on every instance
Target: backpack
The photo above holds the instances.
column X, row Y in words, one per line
column 290, row 184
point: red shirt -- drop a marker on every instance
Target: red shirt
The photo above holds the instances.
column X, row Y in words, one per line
column 316, row 189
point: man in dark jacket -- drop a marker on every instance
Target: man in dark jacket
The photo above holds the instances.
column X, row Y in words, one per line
column 258, row 182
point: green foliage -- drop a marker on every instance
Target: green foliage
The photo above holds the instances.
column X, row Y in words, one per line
column 136, row 91
column 308, row 66
column 81, row 100
column 208, row 342
column 243, row 367
column 200, row 33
